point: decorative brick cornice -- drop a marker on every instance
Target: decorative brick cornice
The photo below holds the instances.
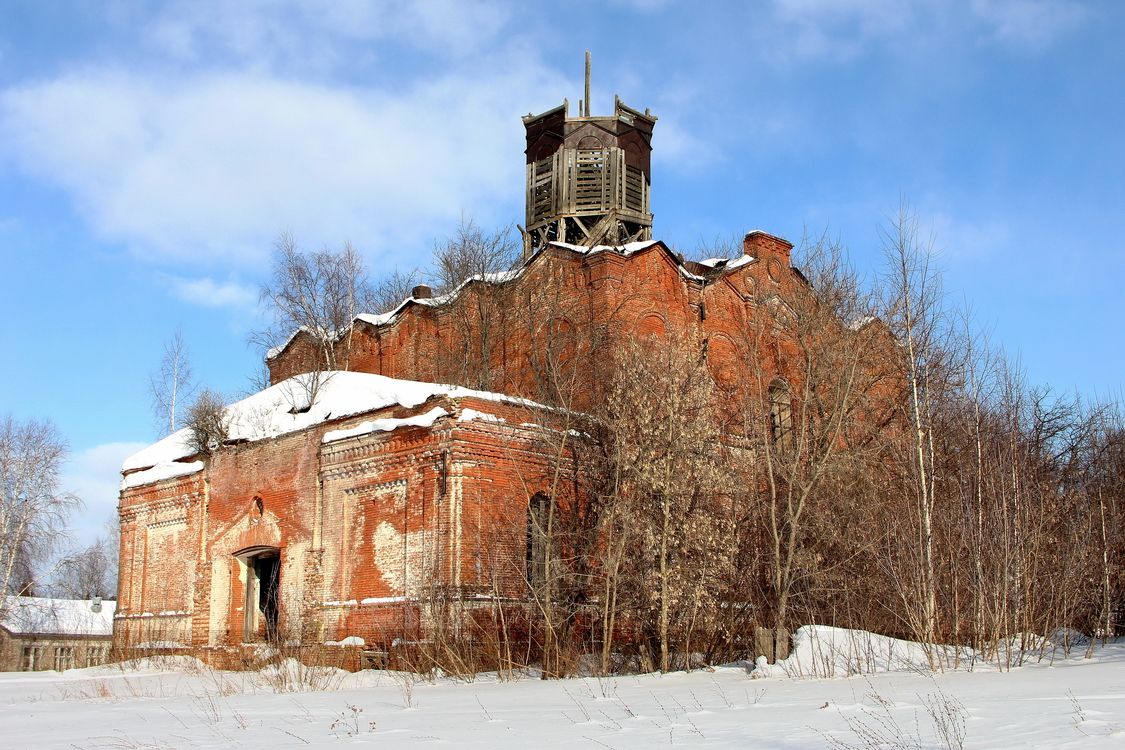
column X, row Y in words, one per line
column 398, row 484
column 182, row 502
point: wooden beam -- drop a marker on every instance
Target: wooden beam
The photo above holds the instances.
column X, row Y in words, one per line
column 587, row 83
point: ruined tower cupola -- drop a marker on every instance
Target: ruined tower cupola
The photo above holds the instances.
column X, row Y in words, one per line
column 588, row 178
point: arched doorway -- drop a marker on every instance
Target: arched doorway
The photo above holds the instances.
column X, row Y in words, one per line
column 263, row 569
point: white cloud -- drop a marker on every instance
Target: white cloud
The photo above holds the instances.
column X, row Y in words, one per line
column 843, row 30
column 94, row 474
column 207, row 292
column 680, row 149
column 211, row 167
column 1032, row 24
column 642, row 6
column 314, row 35
column 836, row 30
column 958, row 238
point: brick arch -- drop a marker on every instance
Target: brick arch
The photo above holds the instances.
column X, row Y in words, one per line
column 725, row 361
column 562, row 333
column 561, row 346
column 651, row 323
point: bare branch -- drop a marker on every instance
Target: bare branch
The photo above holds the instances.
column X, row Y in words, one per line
column 172, row 385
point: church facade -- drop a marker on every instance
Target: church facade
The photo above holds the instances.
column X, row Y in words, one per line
column 339, row 502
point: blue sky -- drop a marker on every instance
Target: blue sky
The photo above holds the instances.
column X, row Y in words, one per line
column 151, row 153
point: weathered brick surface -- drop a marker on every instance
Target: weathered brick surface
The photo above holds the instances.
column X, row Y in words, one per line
column 648, row 292
column 367, row 528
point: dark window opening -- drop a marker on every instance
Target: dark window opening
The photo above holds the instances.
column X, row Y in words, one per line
column 781, row 414
column 538, row 541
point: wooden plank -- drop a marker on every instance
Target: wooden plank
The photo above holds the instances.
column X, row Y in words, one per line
column 529, row 200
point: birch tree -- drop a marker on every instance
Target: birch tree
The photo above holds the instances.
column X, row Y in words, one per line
column 392, row 289
column 207, row 422
column 33, row 507
column 89, row 572
column 172, row 385
column 913, row 309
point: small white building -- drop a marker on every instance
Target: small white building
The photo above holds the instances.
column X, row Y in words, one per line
column 38, row 633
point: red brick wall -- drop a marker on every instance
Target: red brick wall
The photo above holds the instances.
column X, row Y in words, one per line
column 646, row 293
column 381, row 517
column 384, row 516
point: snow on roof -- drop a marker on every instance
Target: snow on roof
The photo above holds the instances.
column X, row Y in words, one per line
column 32, row 615
column 501, row 277
column 160, row 472
column 627, row 249
column 498, row 277
column 387, row 425
column 284, row 408
column 375, row 320
column 858, row 323
column 273, row 352
column 728, row 264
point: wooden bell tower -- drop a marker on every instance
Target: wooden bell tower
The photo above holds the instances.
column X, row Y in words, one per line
column 588, row 178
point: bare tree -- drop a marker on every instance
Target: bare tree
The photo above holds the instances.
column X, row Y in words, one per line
column 172, row 385
column 33, row 508
column 913, row 309
column 1107, row 486
column 666, row 481
column 719, row 246
column 318, row 292
column 472, row 252
column 208, row 422
column 815, row 409
column 89, row 572
column 393, row 288
column 474, row 255
column 111, row 540
column 564, row 547
column 258, row 380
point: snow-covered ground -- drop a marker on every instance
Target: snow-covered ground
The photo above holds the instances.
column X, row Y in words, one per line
column 1060, row 702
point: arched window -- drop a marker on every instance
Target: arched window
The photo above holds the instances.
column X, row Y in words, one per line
column 538, row 540
column 781, row 414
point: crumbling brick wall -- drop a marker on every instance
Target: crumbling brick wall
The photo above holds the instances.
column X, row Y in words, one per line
column 365, row 527
column 604, row 295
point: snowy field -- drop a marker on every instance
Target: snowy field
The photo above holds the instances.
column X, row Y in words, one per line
column 1063, row 701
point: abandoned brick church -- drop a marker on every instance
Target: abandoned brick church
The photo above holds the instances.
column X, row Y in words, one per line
column 339, row 500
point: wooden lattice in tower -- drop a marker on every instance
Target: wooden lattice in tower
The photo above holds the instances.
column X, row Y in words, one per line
column 588, row 178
